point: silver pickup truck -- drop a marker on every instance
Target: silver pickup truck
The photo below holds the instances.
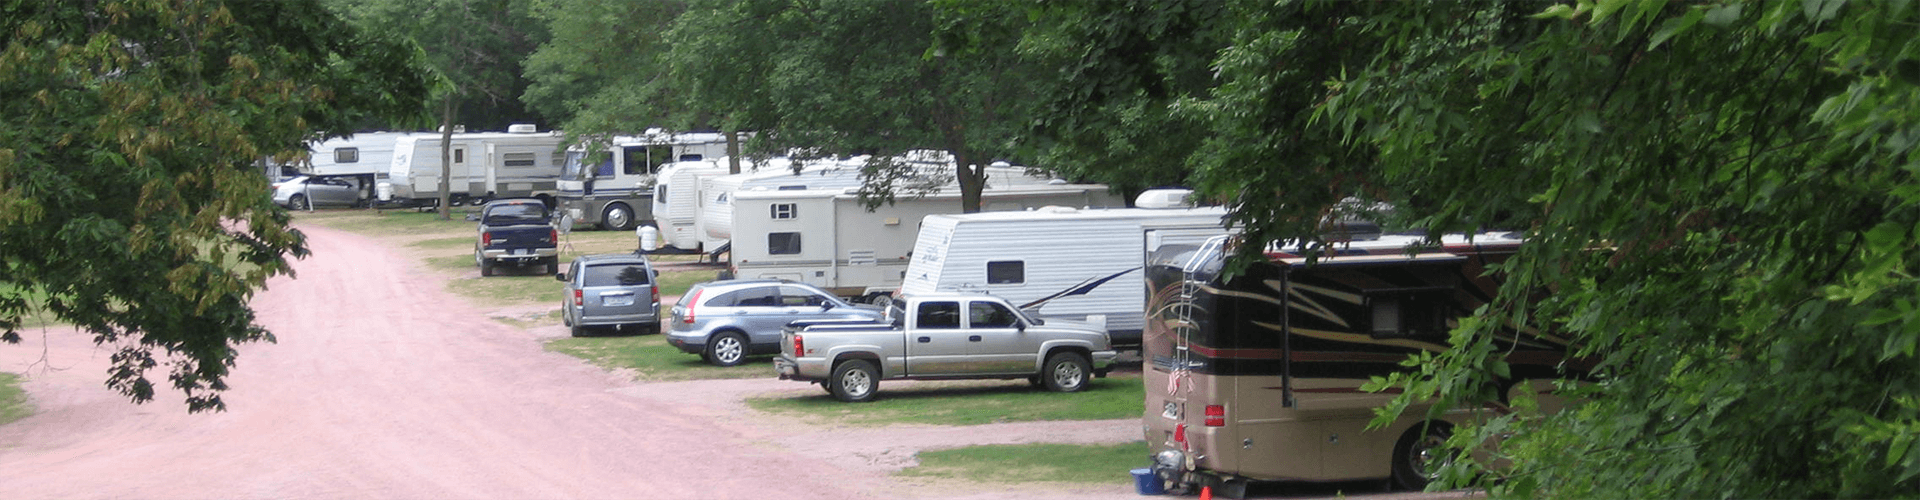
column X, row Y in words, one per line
column 944, row 336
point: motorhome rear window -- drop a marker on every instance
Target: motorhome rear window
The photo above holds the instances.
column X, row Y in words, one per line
column 784, row 211
column 517, row 160
column 346, row 155
column 783, row 243
column 1006, row 272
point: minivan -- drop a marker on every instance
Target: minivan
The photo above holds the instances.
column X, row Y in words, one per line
column 610, row 290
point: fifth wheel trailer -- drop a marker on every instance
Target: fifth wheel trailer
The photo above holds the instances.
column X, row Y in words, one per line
column 1058, row 262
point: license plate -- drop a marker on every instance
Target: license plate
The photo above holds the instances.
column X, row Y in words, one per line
column 521, row 251
column 617, row 301
column 1172, row 411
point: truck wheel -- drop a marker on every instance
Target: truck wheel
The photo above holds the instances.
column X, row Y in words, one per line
column 726, row 350
column 1066, row 372
column 618, row 217
column 297, row 202
column 553, row 266
column 486, row 266
column 854, row 381
column 1419, row 455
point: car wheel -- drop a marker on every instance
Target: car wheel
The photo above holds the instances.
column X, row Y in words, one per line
column 579, row 330
column 1066, row 372
column 1420, row 454
column 486, row 266
column 726, row 350
column 618, row 217
column 854, row 381
column 298, row 202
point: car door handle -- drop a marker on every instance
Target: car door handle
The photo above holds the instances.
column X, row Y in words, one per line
column 973, row 338
column 924, row 340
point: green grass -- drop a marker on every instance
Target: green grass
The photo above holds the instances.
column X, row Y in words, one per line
column 967, row 403
column 13, row 399
column 1032, row 463
column 650, row 358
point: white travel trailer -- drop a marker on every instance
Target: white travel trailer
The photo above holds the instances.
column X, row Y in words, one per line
column 828, row 238
column 617, row 192
column 1059, row 262
column 676, row 200
column 521, row 162
column 933, row 169
column 367, row 153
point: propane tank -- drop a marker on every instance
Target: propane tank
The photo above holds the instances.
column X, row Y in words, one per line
column 649, row 238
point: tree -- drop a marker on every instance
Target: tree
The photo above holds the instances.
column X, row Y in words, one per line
column 476, row 47
column 130, row 206
column 1720, row 198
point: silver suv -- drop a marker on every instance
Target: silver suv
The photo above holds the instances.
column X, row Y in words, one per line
column 725, row 321
column 616, row 290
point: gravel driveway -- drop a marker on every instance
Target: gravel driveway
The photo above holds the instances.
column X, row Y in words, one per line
column 383, row 385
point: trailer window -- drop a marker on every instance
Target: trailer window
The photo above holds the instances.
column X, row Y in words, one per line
column 940, row 315
column 346, row 155
column 517, row 160
column 783, row 243
column 785, row 211
column 1006, row 272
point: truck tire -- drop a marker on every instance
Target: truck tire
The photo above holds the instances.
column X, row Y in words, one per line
column 553, row 266
column 1419, row 454
column 726, row 349
column 618, row 217
column 854, row 381
column 1066, row 372
column 486, row 266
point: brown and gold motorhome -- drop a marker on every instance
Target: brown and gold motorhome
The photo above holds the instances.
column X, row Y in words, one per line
column 1257, row 377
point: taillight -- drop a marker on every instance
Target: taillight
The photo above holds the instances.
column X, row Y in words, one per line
column 1216, row 416
column 486, row 239
column 692, row 303
column 653, row 293
column 799, row 345
column 579, row 297
column 553, row 235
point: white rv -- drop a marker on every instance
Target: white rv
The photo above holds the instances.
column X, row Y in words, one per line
column 368, row 153
column 676, row 200
column 616, row 191
column 930, row 168
column 1059, row 262
column 520, row 162
column 828, row 238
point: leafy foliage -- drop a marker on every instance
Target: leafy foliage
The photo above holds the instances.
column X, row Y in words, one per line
column 1719, row 196
column 129, row 202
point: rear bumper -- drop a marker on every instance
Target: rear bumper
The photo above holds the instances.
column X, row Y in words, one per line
column 520, row 254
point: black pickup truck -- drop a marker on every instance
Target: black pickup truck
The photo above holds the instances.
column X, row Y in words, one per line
column 517, row 232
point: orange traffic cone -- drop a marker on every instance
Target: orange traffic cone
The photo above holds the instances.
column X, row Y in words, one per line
column 1206, row 493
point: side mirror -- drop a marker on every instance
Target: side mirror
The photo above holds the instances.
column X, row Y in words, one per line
column 560, row 277
column 826, row 305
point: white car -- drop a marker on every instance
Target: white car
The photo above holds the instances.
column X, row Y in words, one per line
column 301, row 193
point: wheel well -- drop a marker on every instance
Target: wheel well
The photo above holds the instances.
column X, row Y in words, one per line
column 1082, row 351
column 843, row 358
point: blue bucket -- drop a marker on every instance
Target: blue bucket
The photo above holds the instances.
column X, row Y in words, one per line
column 1146, row 482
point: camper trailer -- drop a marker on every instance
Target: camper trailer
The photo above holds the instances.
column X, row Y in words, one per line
column 1059, row 262
column 933, row 169
column 519, row 163
column 368, row 153
column 614, row 189
column 1257, row 377
column 676, row 200
column 828, row 238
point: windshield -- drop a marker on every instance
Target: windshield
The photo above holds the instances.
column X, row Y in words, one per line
column 571, row 171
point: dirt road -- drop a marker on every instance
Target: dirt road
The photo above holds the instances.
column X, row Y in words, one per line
column 383, row 385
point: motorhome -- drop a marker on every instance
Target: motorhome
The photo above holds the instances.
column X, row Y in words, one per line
column 614, row 188
column 676, row 200
column 1062, row 262
column 925, row 170
column 828, row 238
column 519, row 163
column 1257, row 376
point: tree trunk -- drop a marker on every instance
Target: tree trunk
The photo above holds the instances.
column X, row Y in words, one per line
column 972, row 177
column 733, row 151
column 446, row 158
